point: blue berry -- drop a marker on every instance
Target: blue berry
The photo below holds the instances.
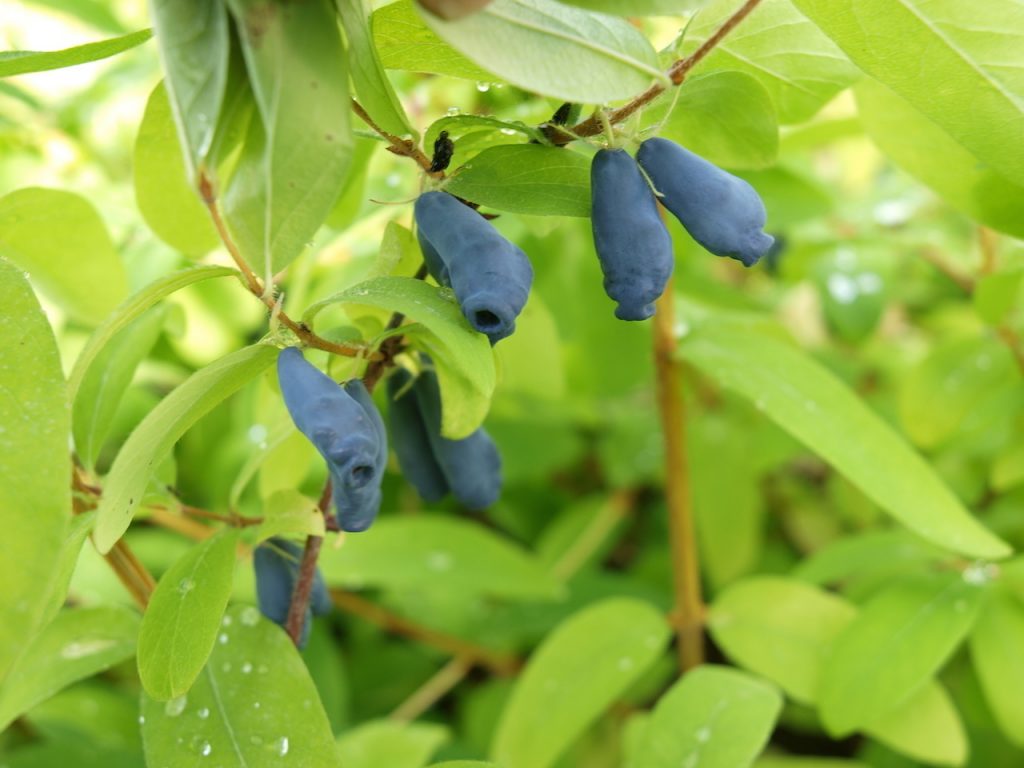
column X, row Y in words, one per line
column 276, row 562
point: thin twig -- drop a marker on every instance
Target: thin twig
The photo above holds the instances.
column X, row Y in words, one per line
column 594, row 535
column 303, row 588
column 398, row 145
column 688, row 610
column 130, row 572
column 677, row 73
column 428, row 694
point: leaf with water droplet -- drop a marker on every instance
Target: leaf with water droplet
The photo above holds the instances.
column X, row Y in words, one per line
column 184, row 616
column 244, row 720
column 76, row 645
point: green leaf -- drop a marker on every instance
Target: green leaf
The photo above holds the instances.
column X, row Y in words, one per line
column 97, row 400
column 168, row 202
column 924, row 150
column 195, row 45
column 297, row 66
column 995, row 295
column 555, row 50
column 579, row 670
column 59, row 238
column 526, row 178
column 950, row 388
column 995, row 645
column 714, row 717
column 153, row 439
column 289, row 512
column 868, row 552
column 253, row 706
column 462, row 357
column 781, row 629
column 464, row 764
column 777, row 761
column 926, row 727
column 725, row 117
column 77, row 644
column 441, row 554
column 71, row 549
column 800, row 67
column 130, row 310
column 21, row 62
column 183, row 617
column 899, row 641
column 963, row 76
column 816, row 408
column 790, row 196
column 390, row 743
column 35, row 465
column 372, row 86
column 403, row 41
column 639, row 7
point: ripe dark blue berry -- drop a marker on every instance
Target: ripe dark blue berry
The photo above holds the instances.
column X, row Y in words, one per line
column 632, row 244
column 490, row 276
column 346, row 429
column 720, row 211
column 470, row 468
column 276, row 562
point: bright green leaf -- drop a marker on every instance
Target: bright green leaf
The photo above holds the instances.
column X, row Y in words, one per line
column 153, row 439
column 899, row 641
column 77, row 644
column 579, row 671
column 996, row 643
column 183, row 617
column 462, row 357
column 61, row 240
column 714, row 717
column 639, row 7
column 526, row 178
column 442, row 554
column 868, row 552
column 390, row 743
column 80, row 527
column 555, row 50
column 962, row 74
column 996, row 295
column 35, row 464
column 816, row 408
column 289, row 512
column 253, row 706
column 21, row 62
column 926, row 727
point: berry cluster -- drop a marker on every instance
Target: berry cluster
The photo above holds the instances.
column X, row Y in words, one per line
column 490, row 278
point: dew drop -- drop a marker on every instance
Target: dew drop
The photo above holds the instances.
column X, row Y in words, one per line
column 246, row 668
column 250, row 616
column 142, row 719
column 205, row 748
column 255, row 705
column 203, row 713
column 186, row 585
column 452, row 111
column 175, row 706
column 223, row 638
column 281, row 746
column 508, row 131
column 226, row 621
column 79, row 648
column 704, row 735
column 483, row 87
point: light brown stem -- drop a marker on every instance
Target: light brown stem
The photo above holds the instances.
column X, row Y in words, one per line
column 450, row 675
column 398, row 145
column 688, row 610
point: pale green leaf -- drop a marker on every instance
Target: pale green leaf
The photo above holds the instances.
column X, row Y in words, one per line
column 958, row 63
column 35, row 464
column 996, row 642
column 80, row 527
column 462, row 357
column 376, row 95
column 714, row 717
column 253, row 706
column 866, row 553
column 639, row 7
column 800, row 67
column 60, row 239
column 167, row 201
column 390, row 743
column 289, row 512
column 442, row 554
column 526, row 178
column 899, row 641
column 579, row 671
column 403, row 41
column 77, row 644
column 194, row 41
column 293, row 168
column 183, row 617
column 21, row 62
column 926, row 727
column 153, row 439
column 923, row 149
column 99, row 396
column 555, row 50
column 130, row 310
column 815, row 407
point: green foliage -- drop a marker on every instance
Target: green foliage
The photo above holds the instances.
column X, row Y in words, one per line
column 20, row 62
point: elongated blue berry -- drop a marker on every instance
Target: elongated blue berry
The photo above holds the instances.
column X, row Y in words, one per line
column 410, row 441
column 276, row 562
column 720, row 211
column 346, row 429
column 490, row 276
column 632, row 244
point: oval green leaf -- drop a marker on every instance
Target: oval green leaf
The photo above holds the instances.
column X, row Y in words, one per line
column 22, row 62
column 996, row 642
column 390, row 743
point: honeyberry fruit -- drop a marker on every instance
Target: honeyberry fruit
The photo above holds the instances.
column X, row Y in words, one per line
column 632, row 244
column 347, row 430
column 490, row 276
column 276, row 562
column 722, row 212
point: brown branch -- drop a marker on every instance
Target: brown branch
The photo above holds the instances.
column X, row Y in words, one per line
column 130, row 572
column 677, row 73
column 398, row 145
column 688, row 610
column 303, row 588
column 614, row 511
